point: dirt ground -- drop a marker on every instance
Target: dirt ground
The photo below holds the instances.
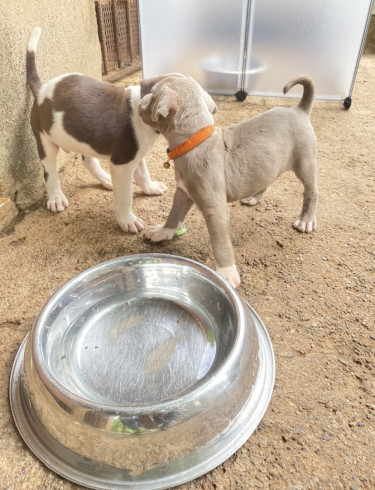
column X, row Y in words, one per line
column 315, row 294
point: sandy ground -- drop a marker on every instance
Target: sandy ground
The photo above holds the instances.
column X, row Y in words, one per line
column 315, row 294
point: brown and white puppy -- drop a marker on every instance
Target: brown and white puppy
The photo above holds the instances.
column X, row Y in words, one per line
column 234, row 162
column 98, row 120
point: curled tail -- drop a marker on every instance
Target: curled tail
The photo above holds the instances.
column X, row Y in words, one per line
column 32, row 76
column 307, row 100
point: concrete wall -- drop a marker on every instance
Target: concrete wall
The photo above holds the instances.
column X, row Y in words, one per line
column 69, row 43
column 370, row 40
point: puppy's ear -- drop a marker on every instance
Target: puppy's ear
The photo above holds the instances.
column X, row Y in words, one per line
column 144, row 103
column 147, row 84
column 165, row 104
column 210, row 103
column 206, row 97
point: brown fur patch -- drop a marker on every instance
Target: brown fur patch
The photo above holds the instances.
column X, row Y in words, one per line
column 46, row 115
column 41, row 120
column 98, row 114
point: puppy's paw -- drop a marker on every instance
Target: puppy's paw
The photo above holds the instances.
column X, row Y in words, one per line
column 230, row 274
column 252, row 200
column 155, row 188
column 58, row 204
column 304, row 226
column 106, row 181
column 159, row 233
column 130, row 223
column 249, row 201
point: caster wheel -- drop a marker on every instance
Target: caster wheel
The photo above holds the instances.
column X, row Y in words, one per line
column 347, row 102
column 241, row 95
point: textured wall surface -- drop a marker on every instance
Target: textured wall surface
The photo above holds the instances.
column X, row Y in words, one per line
column 69, row 43
column 370, row 41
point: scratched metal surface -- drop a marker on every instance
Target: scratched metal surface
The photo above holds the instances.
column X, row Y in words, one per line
column 142, row 372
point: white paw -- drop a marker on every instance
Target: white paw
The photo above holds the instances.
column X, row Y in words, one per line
column 58, row 204
column 130, row 223
column 249, row 201
column 155, row 188
column 106, row 181
column 304, row 226
column 158, row 233
column 230, row 274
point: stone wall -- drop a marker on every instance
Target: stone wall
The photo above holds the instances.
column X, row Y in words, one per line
column 69, row 43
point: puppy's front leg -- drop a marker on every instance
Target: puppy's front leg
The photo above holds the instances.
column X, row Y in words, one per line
column 122, row 177
column 143, row 179
column 180, row 207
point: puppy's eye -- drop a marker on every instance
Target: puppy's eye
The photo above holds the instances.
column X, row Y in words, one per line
column 157, row 132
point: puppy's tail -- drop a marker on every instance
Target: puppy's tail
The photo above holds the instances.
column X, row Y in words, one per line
column 32, row 76
column 307, row 100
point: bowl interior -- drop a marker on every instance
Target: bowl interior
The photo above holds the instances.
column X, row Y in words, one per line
column 229, row 65
column 135, row 332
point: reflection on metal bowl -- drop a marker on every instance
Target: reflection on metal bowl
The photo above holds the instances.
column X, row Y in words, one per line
column 142, row 372
column 222, row 75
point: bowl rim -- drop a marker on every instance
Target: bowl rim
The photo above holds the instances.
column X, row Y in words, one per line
column 81, row 471
column 208, row 382
column 208, row 67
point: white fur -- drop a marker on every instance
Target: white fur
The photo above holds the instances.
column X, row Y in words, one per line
column 252, row 200
column 92, row 165
column 144, row 134
column 121, row 176
column 230, row 274
column 57, row 137
column 33, row 40
column 141, row 177
column 57, row 201
column 304, row 226
column 159, row 233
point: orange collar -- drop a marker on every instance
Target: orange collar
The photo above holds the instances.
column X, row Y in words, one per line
column 190, row 143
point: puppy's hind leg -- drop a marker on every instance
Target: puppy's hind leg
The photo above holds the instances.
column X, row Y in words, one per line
column 57, row 202
column 143, row 180
column 252, row 200
column 306, row 222
column 93, row 166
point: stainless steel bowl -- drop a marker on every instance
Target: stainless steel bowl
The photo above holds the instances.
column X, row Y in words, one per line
column 142, row 372
column 222, row 75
